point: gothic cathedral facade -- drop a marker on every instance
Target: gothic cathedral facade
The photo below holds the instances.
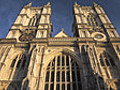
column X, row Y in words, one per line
column 31, row 59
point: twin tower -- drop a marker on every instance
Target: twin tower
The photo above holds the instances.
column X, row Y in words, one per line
column 31, row 59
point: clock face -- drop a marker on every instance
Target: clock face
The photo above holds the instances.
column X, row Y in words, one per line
column 26, row 37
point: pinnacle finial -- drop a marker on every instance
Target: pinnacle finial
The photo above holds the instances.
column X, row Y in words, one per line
column 28, row 5
column 75, row 3
column 48, row 3
column 95, row 3
column 62, row 29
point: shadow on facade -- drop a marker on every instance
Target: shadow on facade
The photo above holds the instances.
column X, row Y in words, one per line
column 94, row 81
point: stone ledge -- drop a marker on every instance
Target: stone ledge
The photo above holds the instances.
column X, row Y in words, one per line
column 6, row 40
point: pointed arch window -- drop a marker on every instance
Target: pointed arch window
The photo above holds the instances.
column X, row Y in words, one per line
column 106, row 59
column 85, row 33
column 13, row 62
column 24, row 61
column 21, row 61
column 92, row 20
column 64, row 74
column 18, row 64
column 101, row 82
column 113, row 33
column 111, row 60
column 34, row 21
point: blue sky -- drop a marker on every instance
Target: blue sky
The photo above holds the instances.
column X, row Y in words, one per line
column 62, row 13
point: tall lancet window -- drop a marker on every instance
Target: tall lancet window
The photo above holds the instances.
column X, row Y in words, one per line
column 20, row 63
column 91, row 20
column 63, row 73
column 34, row 21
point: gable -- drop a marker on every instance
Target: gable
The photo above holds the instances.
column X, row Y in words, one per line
column 62, row 34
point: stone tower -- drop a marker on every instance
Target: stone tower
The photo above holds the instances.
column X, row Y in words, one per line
column 30, row 59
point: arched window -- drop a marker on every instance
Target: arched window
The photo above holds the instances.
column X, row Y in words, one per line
column 106, row 59
column 113, row 33
column 18, row 64
column 63, row 72
column 11, row 87
column 21, row 61
column 91, row 20
column 24, row 61
column 13, row 62
column 34, row 20
column 25, row 85
column 111, row 60
column 118, row 49
column 101, row 83
column 85, row 33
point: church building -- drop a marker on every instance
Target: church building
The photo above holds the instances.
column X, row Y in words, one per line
column 31, row 59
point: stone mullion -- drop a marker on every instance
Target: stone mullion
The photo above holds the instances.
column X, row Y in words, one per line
column 45, row 19
column 35, row 20
column 108, row 71
column 26, row 63
column 112, row 75
column 55, row 74
column 111, row 68
column 71, row 83
column 76, row 81
column 91, row 20
column 4, row 51
column 65, row 73
column 33, row 62
column 94, row 22
column 1, row 51
column 91, row 59
column 105, row 67
column 84, row 71
column 15, row 66
column 21, row 63
column 97, row 66
column 81, row 19
column 31, row 21
column 96, row 61
column 50, row 75
column 4, row 56
column 61, row 72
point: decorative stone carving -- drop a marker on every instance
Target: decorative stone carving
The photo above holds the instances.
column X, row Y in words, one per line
column 99, row 36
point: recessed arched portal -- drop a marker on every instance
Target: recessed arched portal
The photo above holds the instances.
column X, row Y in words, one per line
column 63, row 73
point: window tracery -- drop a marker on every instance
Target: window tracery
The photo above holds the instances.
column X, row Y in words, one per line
column 101, row 83
column 20, row 63
column 63, row 72
column 2, row 51
column 91, row 20
column 34, row 20
column 106, row 60
column 13, row 62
